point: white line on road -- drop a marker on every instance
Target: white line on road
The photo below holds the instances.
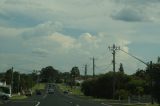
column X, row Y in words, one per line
column 44, row 96
column 105, row 104
column 38, row 103
column 70, row 102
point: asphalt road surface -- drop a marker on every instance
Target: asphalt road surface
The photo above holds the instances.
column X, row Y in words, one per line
column 56, row 99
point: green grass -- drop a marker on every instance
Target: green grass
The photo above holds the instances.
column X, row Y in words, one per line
column 18, row 97
column 40, row 86
column 73, row 91
column 152, row 105
column 77, row 91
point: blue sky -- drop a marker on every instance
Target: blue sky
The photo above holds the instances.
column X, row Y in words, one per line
column 37, row 33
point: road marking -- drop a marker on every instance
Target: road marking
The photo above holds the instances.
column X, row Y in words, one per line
column 38, row 103
column 44, row 96
column 105, row 104
column 70, row 102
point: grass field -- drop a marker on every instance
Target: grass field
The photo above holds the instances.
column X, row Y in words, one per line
column 77, row 91
column 74, row 90
column 18, row 97
column 40, row 86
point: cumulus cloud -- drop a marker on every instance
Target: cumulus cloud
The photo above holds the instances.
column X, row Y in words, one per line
column 129, row 15
column 64, row 40
column 40, row 52
column 68, row 33
column 43, row 29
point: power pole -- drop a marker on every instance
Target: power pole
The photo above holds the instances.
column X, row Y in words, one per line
column 19, row 81
column 93, row 59
column 12, row 80
column 151, row 74
column 85, row 71
column 113, row 49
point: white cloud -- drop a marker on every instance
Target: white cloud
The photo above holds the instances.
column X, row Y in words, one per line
column 40, row 51
column 63, row 40
column 44, row 29
column 93, row 26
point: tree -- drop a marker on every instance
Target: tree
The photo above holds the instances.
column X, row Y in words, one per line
column 155, row 74
column 16, row 82
column 121, row 68
column 8, row 76
column 74, row 73
column 49, row 74
column 158, row 60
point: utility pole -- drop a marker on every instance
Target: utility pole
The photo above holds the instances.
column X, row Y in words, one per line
column 151, row 74
column 19, row 81
column 93, row 59
column 113, row 49
column 85, row 71
column 12, row 80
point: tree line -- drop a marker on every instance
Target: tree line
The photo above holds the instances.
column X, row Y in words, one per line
column 23, row 81
column 143, row 82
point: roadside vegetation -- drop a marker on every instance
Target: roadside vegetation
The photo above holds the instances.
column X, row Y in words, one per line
column 135, row 88
column 18, row 97
column 38, row 86
column 74, row 90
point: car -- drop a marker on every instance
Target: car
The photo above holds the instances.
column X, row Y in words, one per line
column 51, row 85
column 65, row 92
column 50, row 91
column 4, row 96
column 38, row 92
column 28, row 92
column 5, row 92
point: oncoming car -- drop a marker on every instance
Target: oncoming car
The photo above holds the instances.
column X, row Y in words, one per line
column 50, row 91
column 5, row 92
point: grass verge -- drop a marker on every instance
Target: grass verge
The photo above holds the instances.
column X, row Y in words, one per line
column 40, row 86
column 74, row 90
column 18, row 97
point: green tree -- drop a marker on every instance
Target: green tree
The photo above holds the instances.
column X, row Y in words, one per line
column 158, row 60
column 121, row 68
column 155, row 74
column 49, row 74
column 74, row 74
column 8, row 76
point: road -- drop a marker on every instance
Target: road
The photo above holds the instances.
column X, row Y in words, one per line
column 56, row 99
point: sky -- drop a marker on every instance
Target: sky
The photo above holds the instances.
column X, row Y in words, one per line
column 67, row 33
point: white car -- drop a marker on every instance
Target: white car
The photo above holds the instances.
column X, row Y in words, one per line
column 5, row 92
column 50, row 91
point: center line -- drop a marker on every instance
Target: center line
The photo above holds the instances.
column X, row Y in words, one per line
column 38, row 103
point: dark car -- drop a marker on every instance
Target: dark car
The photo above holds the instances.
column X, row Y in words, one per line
column 38, row 92
column 65, row 92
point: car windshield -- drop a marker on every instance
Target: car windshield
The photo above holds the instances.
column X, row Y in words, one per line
column 80, row 52
column 5, row 90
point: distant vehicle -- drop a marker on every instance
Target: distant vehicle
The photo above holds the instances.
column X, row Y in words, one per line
column 50, row 91
column 65, row 92
column 5, row 92
column 28, row 92
column 50, row 85
column 38, row 92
